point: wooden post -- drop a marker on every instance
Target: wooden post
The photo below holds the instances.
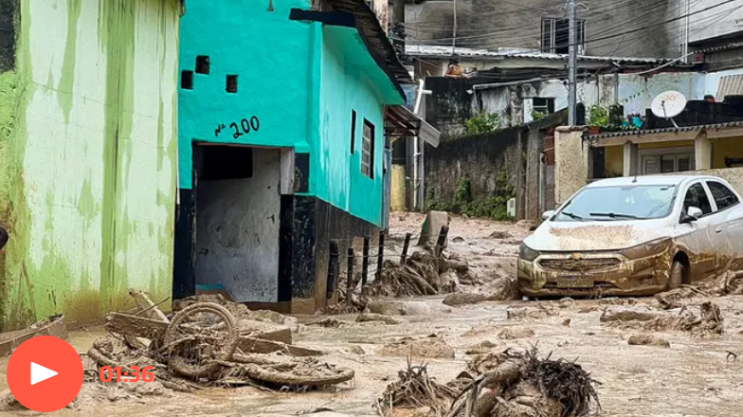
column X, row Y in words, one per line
column 332, row 268
column 405, row 248
column 442, row 240
column 365, row 263
column 380, row 253
column 349, row 276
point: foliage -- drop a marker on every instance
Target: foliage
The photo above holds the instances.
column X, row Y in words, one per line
column 493, row 206
column 482, row 123
column 537, row 115
column 598, row 116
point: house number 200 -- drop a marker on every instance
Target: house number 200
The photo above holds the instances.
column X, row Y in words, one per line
column 242, row 128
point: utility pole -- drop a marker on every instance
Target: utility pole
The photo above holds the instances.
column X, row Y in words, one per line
column 685, row 48
column 572, row 63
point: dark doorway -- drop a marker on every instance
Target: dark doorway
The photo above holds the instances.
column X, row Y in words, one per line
column 227, row 229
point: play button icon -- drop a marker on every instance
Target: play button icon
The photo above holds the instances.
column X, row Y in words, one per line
column 39, row 373
column 45, row 374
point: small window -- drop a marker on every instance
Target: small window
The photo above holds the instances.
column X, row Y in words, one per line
column 353, row 131
column 187, row 80
column 231, row 84
column 202, row 64
column 367, row 150
column 556, row 35
column 544, row 106
column 696, row 196
column 724, row 197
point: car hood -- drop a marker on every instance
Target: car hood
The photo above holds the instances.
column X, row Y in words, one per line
column 594, row 236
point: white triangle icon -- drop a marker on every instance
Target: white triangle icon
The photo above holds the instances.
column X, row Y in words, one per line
column 39, row 373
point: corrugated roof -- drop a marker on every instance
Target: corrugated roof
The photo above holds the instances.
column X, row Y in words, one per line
column 730, row 85
column 641, row 132
column 435, row 51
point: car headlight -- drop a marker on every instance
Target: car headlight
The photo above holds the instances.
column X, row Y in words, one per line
column 526, row 253
column 654, row 247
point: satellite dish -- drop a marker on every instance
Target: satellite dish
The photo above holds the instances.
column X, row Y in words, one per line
column 668, row 105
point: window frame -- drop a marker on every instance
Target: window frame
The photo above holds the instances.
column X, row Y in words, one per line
column 712, row 194
column 706, row 193
column 367, row 169
column 549, row 105
column 353, row 131
column 552, row 23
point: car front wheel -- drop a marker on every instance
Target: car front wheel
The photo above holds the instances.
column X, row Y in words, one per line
column 677, row 276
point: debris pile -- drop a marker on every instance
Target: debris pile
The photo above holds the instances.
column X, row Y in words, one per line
column 418, row 275
column 513, row 384
column 211, row 342
column 414, row 389
column 524, row 384
column 698, row 319
column 726, row 283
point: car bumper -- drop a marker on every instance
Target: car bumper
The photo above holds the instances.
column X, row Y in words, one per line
column 593, row 274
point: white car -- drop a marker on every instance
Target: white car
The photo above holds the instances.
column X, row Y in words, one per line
column 634, row 236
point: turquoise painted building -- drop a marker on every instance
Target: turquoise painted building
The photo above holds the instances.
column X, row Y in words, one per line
column 284, row 115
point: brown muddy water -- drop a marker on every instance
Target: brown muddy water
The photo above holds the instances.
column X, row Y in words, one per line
column 692, row 378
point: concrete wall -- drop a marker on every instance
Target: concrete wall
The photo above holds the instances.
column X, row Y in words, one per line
column 88, row 157
column 571, row 163
column 238, row 231
column 714, row 23
column 479, row 158
column 514, row 153
column 494, row 24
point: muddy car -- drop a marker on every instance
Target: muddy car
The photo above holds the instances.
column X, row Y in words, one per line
column 634, row 236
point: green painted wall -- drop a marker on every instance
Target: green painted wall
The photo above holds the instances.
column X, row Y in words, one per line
column 88, row 157
column 299, row 79
column 347, row 83
column 270, row 56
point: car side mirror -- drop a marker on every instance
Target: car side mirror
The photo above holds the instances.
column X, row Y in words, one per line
column 548, row 214
column 692, row 214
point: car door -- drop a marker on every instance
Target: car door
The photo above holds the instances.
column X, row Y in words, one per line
column 727, row 225
column 697, row 235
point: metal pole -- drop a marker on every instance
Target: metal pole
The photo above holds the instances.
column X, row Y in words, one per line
column 349, row 277
column 380, row 253
column 572, row 63
column 454, row 30
column 441, row 242
column 365, row 263
column 332, row 268
column 685, row 48
column 405, row 247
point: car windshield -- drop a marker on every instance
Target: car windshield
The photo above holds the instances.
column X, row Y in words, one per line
column 639, row 202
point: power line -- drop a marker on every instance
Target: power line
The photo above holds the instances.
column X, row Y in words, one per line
column 657, row 6
column 607, row 37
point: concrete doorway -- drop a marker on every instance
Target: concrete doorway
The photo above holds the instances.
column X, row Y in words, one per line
column 235, row 222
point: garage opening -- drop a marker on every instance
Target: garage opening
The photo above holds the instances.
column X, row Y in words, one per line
column 237, row 206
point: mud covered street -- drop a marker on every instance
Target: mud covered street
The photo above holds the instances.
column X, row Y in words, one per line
column 677, row 364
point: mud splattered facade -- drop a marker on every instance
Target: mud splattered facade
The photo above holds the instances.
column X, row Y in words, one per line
column 281, row 145
column 87, row 154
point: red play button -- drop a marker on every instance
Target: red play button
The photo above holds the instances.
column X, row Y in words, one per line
column 45, row 374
